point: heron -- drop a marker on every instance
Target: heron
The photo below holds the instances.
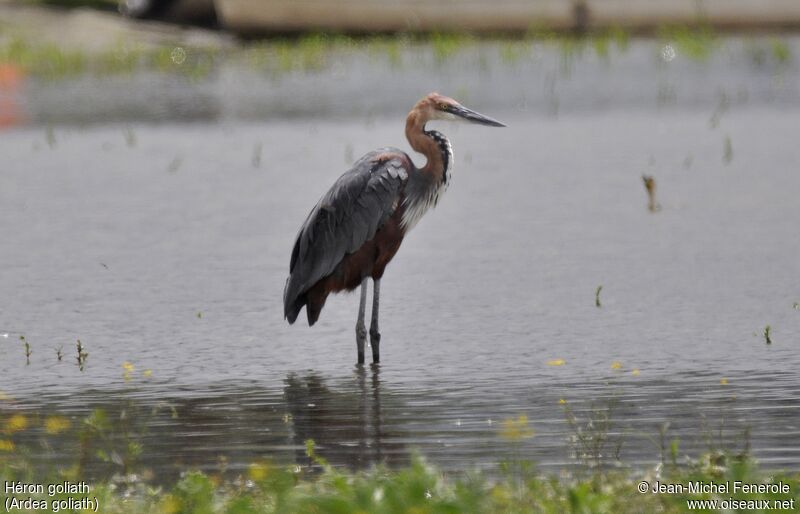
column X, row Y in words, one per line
column 356, row 228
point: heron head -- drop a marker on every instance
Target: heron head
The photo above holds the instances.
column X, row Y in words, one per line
column 440, row 107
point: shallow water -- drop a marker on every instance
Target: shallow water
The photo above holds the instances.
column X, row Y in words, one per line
column 170, row 250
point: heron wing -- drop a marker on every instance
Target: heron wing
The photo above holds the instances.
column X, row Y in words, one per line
column 346, row 217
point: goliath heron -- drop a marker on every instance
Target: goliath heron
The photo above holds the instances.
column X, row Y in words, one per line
column 357, row 226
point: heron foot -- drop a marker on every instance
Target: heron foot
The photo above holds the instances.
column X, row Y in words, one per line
column 361, row 339
column 375, row 343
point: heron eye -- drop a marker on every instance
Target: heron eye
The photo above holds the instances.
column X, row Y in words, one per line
column 443, row 107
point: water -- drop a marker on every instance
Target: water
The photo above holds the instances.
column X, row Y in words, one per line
column 164, row 242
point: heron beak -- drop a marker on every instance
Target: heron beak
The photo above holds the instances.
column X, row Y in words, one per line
column 474, row 117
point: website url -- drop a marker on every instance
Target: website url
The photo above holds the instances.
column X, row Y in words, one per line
column 733, row 504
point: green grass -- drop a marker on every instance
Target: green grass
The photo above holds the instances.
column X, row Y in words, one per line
column 311, row 52
column 419, row 488
column 44, row 59
column 781, row 52
column 317, row 487
column 281, row 55
column 696, row 43
column 49, row 61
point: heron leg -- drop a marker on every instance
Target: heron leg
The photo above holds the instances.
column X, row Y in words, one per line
column 374, row 334
column 361, row 328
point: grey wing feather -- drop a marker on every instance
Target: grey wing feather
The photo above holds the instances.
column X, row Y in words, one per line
column 346, row 217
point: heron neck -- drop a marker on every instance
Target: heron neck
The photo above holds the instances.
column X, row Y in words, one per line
column 426, row 186
column 433, row 145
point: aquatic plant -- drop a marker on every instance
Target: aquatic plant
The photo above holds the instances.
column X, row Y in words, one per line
column 727, row 150
column 127, row 371
column 130, row 137
column 82, row 355
column 175, row 164
column 601, row 46
column 516, row 429
column 666, row 95
column 723, row 103
column 50, row 136
column 592, row 436
column 696, row 43
column 54, row 425
column 620, row 36
column 255, row 160
column 28, row 350
column 597, row 296
column 781, row 52
column 512, row 52
column 15, row 423
column 721, row 441
column 445, row 45
column 650, row 187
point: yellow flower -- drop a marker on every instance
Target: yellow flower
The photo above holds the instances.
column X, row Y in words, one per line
column 16, row 423
column 556, row 362
column 516, row 429
column 258, row 472
column 6, row 445
column 616, row 365
column 562, row 401
column 56, row 424
column 723, row 381
column 127, row 368
column 635, row 372
column 147, row 373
